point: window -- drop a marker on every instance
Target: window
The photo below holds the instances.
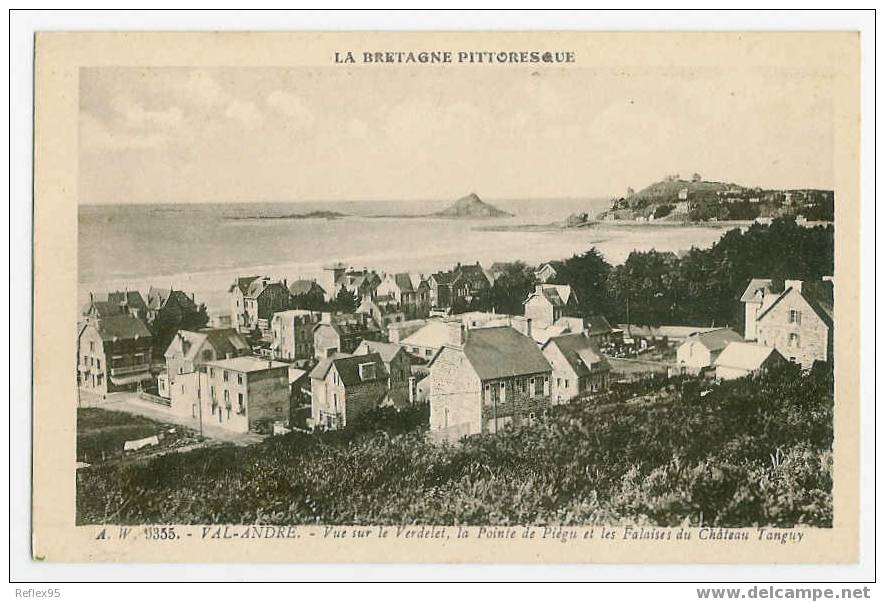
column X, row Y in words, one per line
column 539, row 385
column 97, row 364
column 211, row 372
column 241, row 406
column 566, row 383
column 503, row 391
column 795, row 316
column 212, row 393
column 239, row 379
column 794, row 339
column 224, row 375
column 559, row 382
column 91, row 345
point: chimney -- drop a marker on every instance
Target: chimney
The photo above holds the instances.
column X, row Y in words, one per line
column 91, row 296
column 796, row 284
column 539, row 288
column 528, row 327
column 456, row 333
column 326, row 317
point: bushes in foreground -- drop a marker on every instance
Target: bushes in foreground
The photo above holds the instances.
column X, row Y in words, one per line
column 748, row 453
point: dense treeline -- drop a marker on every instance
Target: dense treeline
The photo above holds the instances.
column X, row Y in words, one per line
column 700, row 287
column 746, row 453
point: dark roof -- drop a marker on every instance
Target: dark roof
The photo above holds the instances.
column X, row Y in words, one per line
column 501, row 352
column 580, row 352
column 103, row 309
column 443, row 277
column 226, row 341
column 242, row 284
column 305, row 287
column 716, row 340
column 404, row 282
column 158, row 298
column 755, row 285
column 597, row 324
column 348, row 367
column 132, row 298
column 818, row 294
column 123, row 326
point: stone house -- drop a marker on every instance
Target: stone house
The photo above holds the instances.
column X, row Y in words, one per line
column 468, row 281
column 700, row 350
column 799, row 322
column 244, row 394
column 398, row 364
column 483, row 379
column 342, row 333
column 344, row 387
column 578, row 366
column 440, row 285
column 292, row 334
column 113, row 354
column 548, row 303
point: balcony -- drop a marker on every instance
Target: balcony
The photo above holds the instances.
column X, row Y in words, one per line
column 122, row 370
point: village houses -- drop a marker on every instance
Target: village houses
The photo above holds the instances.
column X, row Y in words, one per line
column 254, row 300
column 361, row 283
column 116, row 303
column 292, row 334
column 383, row 309
column 398, row 364
column 243, row 394
column 343, row 387
column 483, row 379
column 342, row 333
column 169, row 306
column 578, row 366
column 793, row 316
column 113, row 354
column 186, row 354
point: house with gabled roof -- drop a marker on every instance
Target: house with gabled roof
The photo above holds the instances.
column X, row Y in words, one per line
column 545, row 273
column 701, row 349
column 188, row 351
column 292, row 334
column 398, row 364
column 548, row 303
column 578, row 366
column 799, row 322
column 342, row 333
column 484, row 379
column 116, row 303
column 343, row 387
column 113, row 354
column 254, row 300
column 740, row 359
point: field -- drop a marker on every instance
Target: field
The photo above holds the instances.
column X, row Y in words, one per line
column 744, row 454
column 101, row 434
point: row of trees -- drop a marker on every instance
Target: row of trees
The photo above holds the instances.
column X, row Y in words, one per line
column 700, row 287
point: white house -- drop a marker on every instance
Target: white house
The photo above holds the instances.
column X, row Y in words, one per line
column 744, row 359
column 700, row 350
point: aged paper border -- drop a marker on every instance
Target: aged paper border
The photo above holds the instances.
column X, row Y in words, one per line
column 58, row 59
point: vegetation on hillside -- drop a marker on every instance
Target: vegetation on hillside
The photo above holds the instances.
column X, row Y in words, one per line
column 746, row 453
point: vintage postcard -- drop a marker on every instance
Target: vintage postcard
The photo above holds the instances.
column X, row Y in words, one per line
column 446, row 297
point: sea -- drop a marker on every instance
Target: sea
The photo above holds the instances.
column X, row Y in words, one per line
column 201, row 248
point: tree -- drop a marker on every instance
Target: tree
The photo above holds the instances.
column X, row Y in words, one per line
column 511, row 288
column 587, row 274
column 309, row 301
column 345, row 301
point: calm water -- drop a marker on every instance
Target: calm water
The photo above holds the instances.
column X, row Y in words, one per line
column 201, row 248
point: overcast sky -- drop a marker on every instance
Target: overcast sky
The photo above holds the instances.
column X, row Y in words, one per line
column 269, row 134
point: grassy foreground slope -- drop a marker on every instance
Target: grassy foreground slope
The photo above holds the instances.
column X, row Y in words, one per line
column 744, row 454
